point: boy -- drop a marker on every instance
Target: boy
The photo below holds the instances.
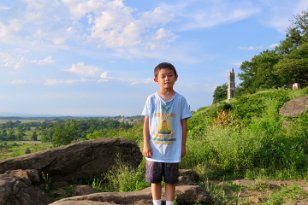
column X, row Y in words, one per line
column 164, row 133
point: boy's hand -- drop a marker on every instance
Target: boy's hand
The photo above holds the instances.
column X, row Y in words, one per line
column 147, row 151
column 183, row 152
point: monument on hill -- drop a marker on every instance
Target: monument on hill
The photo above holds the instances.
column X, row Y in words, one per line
column 231, row 85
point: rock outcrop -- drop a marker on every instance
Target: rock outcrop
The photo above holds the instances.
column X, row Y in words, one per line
column 21, row 187
column 294, row 107
column 186, row 194
column 77, row 161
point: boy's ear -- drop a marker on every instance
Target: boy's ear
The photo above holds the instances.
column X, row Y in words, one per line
column 155, row 79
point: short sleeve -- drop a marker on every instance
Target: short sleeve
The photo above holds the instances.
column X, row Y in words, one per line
column 185, row 109
column 146, row 108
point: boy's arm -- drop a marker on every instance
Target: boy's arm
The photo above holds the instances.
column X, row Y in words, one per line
column 184, row 134
column 147, row 151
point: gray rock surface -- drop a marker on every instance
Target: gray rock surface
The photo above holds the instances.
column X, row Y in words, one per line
column 20, row 187
column 77, row 161
column 294, row 107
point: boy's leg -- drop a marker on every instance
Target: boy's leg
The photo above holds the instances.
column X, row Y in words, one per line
column 170, row 192
column 171, row 179
column 156, row 191
column 154, row 176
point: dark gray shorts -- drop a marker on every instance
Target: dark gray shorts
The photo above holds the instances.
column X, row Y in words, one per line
column 156, row 171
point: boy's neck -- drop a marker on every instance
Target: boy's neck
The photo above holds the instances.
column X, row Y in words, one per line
column 166, row 94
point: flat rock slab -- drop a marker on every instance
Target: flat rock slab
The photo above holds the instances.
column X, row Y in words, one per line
column 186, row 194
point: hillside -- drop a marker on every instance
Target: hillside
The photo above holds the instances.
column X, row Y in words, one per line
column 246, row 135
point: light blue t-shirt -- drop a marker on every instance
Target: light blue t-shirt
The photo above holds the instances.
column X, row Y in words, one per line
column 165, row 126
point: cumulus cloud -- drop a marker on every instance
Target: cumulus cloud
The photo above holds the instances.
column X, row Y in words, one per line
column 80, row 8
column 116, row 27
column 83, row 70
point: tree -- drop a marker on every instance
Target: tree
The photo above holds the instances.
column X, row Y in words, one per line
column 259, row 72
column 34, row 136
column 11, row 135
column 220, row 93
column 297, row 35
column 286, row 64
column 293, row 68
column 65, row 133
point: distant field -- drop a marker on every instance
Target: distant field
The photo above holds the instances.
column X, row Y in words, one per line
column 21, row 120
column 18, row 148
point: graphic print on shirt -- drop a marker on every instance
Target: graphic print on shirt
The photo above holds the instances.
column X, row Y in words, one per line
column 164, row 133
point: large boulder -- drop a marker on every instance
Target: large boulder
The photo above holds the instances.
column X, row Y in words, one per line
column 77, row 161
column 294, row 107
column 21, row 187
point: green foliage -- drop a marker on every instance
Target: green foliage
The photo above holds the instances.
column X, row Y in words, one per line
column 123, row 178
column 220, row 93
column 27, row 150
column 246, row 134
column 293, row 68
column 14, row 149
column 289, row 192
column 65, row 133
column 259, row 73
column 254, row 105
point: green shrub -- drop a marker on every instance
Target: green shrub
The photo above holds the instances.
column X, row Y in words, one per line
column 123, row 178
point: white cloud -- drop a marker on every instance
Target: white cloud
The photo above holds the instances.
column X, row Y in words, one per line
column 115, row 26
column 133, row 81
column 258, row 48
column 83, row 70
column 54, row 82
column 44, row 61
column 11, row 61
column 158, row 16
column 8, row 30
column 251, row 48
column 215, row 13
column 80, row 8
column 104, row 77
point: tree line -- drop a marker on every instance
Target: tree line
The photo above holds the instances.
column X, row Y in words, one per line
column 280, row 67
column 60, row 132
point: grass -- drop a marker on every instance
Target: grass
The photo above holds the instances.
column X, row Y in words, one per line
column 292, row 193
column 121, row 178
column 17, row 148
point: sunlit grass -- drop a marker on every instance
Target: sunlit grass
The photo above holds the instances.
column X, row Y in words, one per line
column 18, row 148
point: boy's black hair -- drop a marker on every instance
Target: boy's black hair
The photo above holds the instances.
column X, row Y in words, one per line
column 164, row 65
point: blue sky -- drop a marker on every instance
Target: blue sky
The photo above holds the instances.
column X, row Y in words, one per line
column 96, row 57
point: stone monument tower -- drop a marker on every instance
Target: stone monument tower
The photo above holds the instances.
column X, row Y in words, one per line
column 231, row 85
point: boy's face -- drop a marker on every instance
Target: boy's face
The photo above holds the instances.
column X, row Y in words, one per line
column 165, row 78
